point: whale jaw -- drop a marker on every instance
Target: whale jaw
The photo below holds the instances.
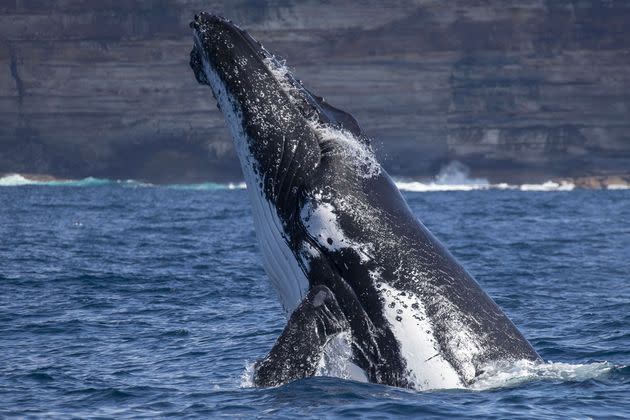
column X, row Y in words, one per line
column 279, row 262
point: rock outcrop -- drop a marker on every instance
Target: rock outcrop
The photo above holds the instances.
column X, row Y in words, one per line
column 516, row 90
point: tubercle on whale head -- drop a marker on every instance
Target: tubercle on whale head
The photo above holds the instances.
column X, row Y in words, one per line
column 220, row 42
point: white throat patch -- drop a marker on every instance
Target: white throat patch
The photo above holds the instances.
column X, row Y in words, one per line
column 279, row 262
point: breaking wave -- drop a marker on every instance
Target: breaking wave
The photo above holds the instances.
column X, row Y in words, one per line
column 435, row 186
column 456, row 177
column 206, row 186
column 17, row 180
column 453, row 177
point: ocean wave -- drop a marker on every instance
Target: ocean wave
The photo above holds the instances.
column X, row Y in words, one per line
column 440, row 183
column 417, row 186
column 456, row 177
column 209, row 186
column 511, row 375
column 18, row 180
column 549, row 186
column 435, row 186
column 524, row 371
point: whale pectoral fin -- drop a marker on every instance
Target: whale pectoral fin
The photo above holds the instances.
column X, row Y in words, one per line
column 299, row 348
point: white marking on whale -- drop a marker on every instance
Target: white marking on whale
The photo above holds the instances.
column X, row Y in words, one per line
column 279, row 263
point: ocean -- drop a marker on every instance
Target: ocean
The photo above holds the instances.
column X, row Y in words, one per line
column 123, row 299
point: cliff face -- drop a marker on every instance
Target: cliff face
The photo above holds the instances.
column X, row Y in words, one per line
column 516, row 90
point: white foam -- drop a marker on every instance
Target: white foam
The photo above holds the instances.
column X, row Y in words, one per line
column 205, row 186
column 336, row 360
column 18, row 180
column 452, row 177
column 549, row 186
column 236, row 186
column 15, row 180
column 247, row 377
column 508, row 375
column 456, row 177
column 416, row 186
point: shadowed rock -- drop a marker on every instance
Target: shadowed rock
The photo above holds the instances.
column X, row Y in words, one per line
column 518, row 92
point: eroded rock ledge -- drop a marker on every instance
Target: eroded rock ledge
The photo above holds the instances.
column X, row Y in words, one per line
column 519, row 91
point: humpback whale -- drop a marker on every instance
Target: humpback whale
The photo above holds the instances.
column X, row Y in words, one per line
column 363, row 282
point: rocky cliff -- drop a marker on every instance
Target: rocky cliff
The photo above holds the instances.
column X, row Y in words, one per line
column 516, row 90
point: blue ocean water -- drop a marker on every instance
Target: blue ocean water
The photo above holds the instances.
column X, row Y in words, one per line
column 121, row 300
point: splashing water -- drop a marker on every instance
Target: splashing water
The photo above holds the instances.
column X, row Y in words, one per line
column 456, row 177
column 359, row 154
column 247, row 377
column 335, row 364
column 500, row 376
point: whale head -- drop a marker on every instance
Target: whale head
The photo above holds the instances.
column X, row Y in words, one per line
column 287, row 139
column 276, row 148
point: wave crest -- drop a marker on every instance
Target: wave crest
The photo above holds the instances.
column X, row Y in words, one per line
column 449, row 179
column 456, row 177
column 18, row 180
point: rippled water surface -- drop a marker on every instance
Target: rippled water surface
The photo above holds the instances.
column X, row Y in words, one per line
column 143, row 301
